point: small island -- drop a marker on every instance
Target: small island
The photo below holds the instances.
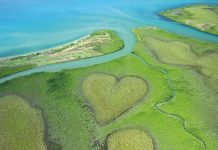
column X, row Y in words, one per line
column 201, row 17
column 98, row 43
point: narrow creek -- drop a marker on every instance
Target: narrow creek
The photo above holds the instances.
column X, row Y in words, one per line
column 172, row 96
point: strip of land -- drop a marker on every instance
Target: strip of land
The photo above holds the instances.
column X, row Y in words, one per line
column 96, row 44
column 201, row 17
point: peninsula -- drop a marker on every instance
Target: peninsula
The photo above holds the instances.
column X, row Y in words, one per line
column 98, row 43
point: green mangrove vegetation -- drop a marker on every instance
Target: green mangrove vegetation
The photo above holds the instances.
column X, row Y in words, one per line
column 201, row 17
column 110, row 96
column 161, row 96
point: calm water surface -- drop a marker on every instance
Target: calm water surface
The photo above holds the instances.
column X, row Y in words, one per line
column 32, row 25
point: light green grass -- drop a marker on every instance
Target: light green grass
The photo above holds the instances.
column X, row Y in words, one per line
column 202, row 17
column 110, row 96
column 21, row 126
column 130, row 139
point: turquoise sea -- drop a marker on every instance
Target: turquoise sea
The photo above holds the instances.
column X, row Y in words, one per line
column 31, row 25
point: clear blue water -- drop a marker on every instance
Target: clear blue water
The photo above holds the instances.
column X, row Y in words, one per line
column 32, row 25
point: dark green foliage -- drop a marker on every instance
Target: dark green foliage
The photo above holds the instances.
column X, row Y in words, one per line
column 57, row 83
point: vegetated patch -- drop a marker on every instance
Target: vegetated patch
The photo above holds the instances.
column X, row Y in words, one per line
column 110, row 96
column 114, row 44
column 174, row 52
column 130, row 139
column 57, row 84
column 201, row 17
column 21, row 126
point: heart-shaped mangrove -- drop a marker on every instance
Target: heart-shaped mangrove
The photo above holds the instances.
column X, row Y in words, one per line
column 110, row 96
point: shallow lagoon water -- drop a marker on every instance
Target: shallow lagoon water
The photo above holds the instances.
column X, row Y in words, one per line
column 32, row 25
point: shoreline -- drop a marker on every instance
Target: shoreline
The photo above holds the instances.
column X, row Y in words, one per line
column 47, row 49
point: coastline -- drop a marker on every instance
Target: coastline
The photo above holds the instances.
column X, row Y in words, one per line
column 48, row 49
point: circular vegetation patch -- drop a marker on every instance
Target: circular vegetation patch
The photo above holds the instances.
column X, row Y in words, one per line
column 130, row 139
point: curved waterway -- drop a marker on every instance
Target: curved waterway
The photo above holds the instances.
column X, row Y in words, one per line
column 30, row 26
